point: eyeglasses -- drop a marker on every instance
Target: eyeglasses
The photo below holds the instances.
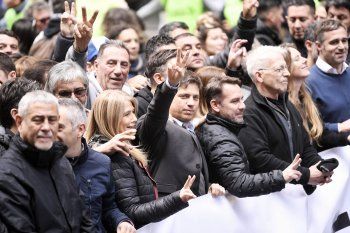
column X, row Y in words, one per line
column 78, row 92
column 277, row 70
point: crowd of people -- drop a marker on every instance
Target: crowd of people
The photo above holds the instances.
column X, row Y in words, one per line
column 108, row 134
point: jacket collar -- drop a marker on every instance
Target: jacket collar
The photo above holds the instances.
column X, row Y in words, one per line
column 234, row 127
column 76, row 161
column 36, row 157
column 259, row 99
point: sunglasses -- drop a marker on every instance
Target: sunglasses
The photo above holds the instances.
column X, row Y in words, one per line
column 78, row 92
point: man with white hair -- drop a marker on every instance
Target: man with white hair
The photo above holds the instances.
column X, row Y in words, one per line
column 275, row 134
column 38, row 192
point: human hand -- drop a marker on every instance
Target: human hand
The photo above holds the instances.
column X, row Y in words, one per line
column 119, row 143
column 83, row 31
column 216, row 190
column 317, row 177
column 68, row 20
column 176, row 72
column 138, row 82
column 344, row 126
column 237, row 53
column 186, row 193
column 250, row 8
column 125, row 227
column 291, row 172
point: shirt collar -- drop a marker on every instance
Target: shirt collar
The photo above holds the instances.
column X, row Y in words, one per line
column 325, row 67
column 188, row 125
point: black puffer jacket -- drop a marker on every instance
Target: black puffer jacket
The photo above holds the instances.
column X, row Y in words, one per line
column 136, row 191
column 38, row 192
column 228, row 163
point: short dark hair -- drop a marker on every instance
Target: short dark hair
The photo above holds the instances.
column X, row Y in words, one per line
column 157, row 62
column 338, row 4
column 266, row 5
column 169, row 27
column 327, row 26
column 191, row 78
column 11, row 93
column 309, row 3
column 6, row 63
column 9, row 34
column 155, row 42
column 213, row 90
column 37, row 73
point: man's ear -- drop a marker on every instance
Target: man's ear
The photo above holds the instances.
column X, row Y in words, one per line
column 18, row 120
column 158, row 78
column 12, row 75
column 13, row 113
column 258, row 77
column 96, row 63
column 319, row 46
column 308, row 45
column 214, row 105
column 81, row 130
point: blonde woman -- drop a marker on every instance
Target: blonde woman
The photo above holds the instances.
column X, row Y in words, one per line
column 301, row 99
column 112, row 120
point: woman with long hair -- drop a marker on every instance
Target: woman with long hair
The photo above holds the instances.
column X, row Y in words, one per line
column 302, row 100
column 113, row 116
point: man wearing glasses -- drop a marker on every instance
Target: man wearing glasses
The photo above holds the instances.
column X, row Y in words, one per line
column 68, row 80
column 275, row 134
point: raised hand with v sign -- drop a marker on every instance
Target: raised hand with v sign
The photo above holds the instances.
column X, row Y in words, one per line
column 83, row 31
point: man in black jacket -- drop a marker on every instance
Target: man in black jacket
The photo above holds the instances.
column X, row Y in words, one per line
column 10, row 94
column 275, row 134
column 227, row 161
column 37, row 188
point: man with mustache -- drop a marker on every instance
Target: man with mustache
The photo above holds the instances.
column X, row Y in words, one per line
column 38, row 192
column 274, row 134
column 329, row 78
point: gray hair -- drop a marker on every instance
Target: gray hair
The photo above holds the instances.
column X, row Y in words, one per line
column 67, row 71
column 112, row 43
column 77, row 114
column 35, row 97
column 260, row 58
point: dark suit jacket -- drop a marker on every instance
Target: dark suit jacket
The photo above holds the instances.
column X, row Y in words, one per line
column 174, row 152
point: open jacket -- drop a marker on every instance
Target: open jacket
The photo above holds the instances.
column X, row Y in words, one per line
column 227, row 162
column 38, row 192
column 94, row 177
column 266, row 140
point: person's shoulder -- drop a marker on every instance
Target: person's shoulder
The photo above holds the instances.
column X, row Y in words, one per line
column 98, row 157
